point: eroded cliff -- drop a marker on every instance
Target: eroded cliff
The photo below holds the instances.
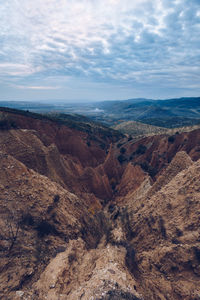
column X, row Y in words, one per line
column 87, row 217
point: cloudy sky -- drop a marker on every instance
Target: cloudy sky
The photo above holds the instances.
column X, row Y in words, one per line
column 99, row 49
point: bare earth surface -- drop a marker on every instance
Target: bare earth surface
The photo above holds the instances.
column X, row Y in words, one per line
column 78, row 222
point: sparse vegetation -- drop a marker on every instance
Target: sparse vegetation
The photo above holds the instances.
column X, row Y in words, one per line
column 118, row 294
column 141, row 149
column 197, row 254
column 122, row 150
column 178, row 232
column 71, row 258
column 10, row 230
column 119, row 145
column 126, row 224
column 27, row 220
column 44, row 228
column 171, row 139
column 94, row 228
column 111, row 208
column 130, row 138
column 148, row 168
column 162, row 227
column 175, row 241
column 56, row 198
column 121, row 158
column 130, row 258
column 88, row 143
column 113, row 183
column 7, row 124
column 73, row 121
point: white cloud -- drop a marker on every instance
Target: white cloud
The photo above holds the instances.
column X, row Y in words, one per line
column 15, row 69
column 36, row 87
column 98, row 39
column 60, row 25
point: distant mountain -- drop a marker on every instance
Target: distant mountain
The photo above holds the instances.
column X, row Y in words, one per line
column 168, row 113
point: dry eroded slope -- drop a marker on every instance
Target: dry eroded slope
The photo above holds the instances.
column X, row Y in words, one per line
column 81, row 228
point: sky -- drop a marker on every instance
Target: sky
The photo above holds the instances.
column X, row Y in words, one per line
column 89, row 50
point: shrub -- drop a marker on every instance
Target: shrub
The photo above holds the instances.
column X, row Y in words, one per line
column 197, row 253
column 152, row 171
column 71, row 258
column 11, row 229
column 122, row 150
column 113, row 183
column 27, row 220
column 169, row 206
column 121, row 158
column 171, row 139
column 141, row 149
column 175, row 241
column 45, row 228
column 130, row 255
column 116, row 215
column 56, row 198
column 58, row 250
column 103, row 146
column 178, row 232
column 4, row 124
column 49, row 209
column 7, row 124
column 119, row 145
column 126, row 223
column 93, row 228
column 162, row 228
column 130, row 259
column 148, row 168
column 118, row 294
column 130, row 138
column 111, row 208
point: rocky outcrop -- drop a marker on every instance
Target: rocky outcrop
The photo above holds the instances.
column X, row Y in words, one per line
column 81, row 274
column 154, row 153
column 26, row 147
column 180, row 162
column 166, row 238
column 38, row 218
column 132, row 178
column 84, row 146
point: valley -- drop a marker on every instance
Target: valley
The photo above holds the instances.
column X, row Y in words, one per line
column 90, row 213
column 166, row 113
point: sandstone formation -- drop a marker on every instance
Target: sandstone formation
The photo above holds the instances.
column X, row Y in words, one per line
column 87, row 217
